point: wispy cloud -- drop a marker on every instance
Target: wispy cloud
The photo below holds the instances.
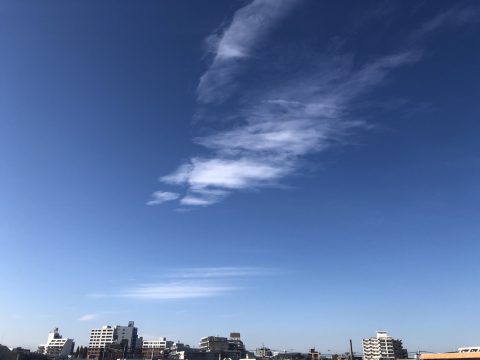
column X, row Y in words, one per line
column 189, row 283
column 176, row 290
column 283, row 125
column 222, row 272
column 159, row 197
column 279, row 123
column 453, row 17
column 88, row 317
column 236, row 42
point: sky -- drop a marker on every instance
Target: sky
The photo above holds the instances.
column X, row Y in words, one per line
column 302, row 172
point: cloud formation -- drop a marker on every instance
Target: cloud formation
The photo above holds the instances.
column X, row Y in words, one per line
column 285, row 118
column 159, row 197
column 453, row 17
column 88, row 317
column 236, row 42
column 189, row 283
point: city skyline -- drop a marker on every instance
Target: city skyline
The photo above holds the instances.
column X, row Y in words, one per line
column 303, row 172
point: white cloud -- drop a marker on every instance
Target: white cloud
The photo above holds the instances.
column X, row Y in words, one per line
column 305, row 116
column 88, row 317
column 160, row 197
column 176, row 290
column 279, row 123
column 191, row 283
column 222, row 272
column 225, row 173
column 249, row 26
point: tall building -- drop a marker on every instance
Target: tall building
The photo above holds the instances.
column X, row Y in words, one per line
column 56, row 345
column 127, row 335
column 383, row 347
column 122, row 339
column 99, row 338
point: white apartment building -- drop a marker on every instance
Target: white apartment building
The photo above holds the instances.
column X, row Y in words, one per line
column 99, row 338
column 56, row 345
column 153, row 349
column 161, row 343
column 383, row 347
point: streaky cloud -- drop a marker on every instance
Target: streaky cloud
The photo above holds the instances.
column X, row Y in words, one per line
column 455, row 16
column 280, row 123
column 88, row 317
column 175, row 290
column 159, row 197
column 281, row 126
column 248, row 27
column 190, row 283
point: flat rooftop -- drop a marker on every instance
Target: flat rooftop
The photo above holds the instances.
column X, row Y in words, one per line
column 453, row 355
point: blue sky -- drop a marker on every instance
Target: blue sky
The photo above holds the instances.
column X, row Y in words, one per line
column 303, row 172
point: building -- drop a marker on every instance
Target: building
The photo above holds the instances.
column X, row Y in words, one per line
column 463, row 353
column 235, row 344
column 263, row 352
column 155, row 349
column 57, row 346
column 99, row 339
column 383, row 347
column 313, row 354
column 474, row 355
column 213, row 344
column 120, row 339
column 126, row 335
column 469, row 349
column 20, row 354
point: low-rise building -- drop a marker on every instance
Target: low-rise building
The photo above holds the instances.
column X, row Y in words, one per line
column 155, row 349
column 263, row 352
column 463, row 353
column 213, row 344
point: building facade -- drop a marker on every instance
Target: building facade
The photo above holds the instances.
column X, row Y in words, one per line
column 155, row 349
column 57, row 346
column 126, row 335
column 383, row 347
column 213, row 344
column 99, row 339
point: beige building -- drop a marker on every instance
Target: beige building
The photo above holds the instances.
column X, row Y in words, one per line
column 464, row 353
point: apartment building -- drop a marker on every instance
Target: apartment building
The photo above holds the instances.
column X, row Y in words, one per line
column 57, row 346
column 154, row 349
column 99, row 339
column 213, row 344
column 383, row 347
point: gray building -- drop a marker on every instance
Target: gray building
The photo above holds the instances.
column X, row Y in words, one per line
column 127, row 335
column 213, row 344
column 263, row 352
